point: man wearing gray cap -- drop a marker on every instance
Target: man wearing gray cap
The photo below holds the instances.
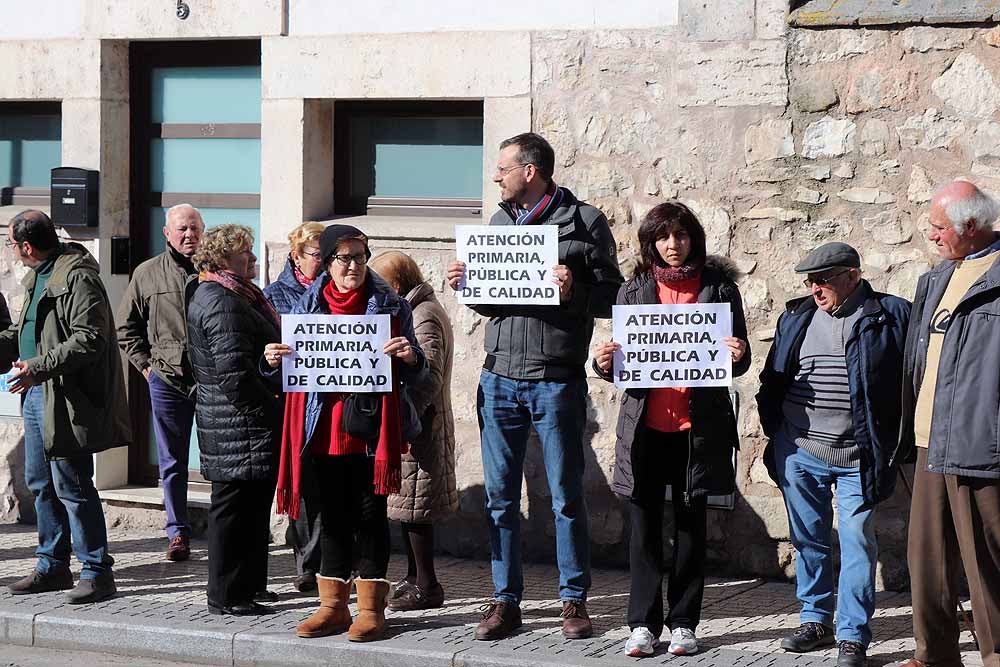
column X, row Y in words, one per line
column 830, row 405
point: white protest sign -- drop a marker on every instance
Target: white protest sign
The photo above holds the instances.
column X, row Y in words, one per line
column 672, row 345
column 336, row 353
column 508, row 264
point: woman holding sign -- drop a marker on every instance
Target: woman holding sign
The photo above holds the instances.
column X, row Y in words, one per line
column 682, row 437
column 353, row 441
column 238, row 413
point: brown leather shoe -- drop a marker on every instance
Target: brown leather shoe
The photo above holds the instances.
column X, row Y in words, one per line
column 913, row 662
column 500, row 619
column 54, row 580
column 576, row 622
column 179, row 549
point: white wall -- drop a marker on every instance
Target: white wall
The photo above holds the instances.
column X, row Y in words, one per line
column 23, row 19
column 317, row 17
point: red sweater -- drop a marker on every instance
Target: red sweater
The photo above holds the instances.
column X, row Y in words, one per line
column 668, row 409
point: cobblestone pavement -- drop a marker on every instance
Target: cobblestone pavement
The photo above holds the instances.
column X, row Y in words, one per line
column 160, row 612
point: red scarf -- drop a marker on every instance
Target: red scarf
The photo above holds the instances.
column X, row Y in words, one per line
column 246, row 289
column 388, row 452
column 300, row 277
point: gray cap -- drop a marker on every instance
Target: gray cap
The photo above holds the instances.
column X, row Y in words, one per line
column 828, row 256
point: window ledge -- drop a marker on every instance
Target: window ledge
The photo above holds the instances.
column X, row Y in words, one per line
column 408, row 228
column 820, row 13
column 152, row 496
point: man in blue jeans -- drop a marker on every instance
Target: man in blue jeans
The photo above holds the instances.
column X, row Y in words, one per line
column 67, row 367
column 830, row 403
column 152, row 331
column 534, row 377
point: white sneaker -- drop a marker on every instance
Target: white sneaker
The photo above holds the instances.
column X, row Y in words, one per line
column 640, row 643
column 683, row 642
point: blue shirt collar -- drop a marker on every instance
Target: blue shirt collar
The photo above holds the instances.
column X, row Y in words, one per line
column 987, row 250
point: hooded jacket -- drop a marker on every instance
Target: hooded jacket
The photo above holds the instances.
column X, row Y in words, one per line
column 78, row 360
column 552, row 342
column 713, row 435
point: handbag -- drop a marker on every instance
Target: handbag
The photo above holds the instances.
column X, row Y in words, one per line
column 362, row 416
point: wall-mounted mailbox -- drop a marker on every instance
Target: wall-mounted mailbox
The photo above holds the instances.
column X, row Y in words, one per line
column 74, row 197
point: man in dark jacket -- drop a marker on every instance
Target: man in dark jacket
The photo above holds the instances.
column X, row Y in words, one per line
column 534, row 376
column 152, row 331
column 951, row 401
column 829, row 403
column 69, row 373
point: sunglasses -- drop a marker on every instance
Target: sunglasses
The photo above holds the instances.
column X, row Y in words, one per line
column 826, row 280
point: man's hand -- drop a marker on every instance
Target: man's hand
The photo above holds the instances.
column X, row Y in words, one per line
column 562, row 276
column 400, row 348
column 604, row 355
column 21, row 378
column 737, row 347
column 273, row 352
column 456, row 273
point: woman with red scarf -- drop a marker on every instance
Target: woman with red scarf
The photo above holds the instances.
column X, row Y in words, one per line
column 238, row 412
column 355, row 474
column 682, row 437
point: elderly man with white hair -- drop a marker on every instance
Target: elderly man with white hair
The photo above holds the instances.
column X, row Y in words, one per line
column 951, row 410
column 152, row 332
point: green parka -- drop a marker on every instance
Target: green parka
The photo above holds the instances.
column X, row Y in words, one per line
column 78, row 360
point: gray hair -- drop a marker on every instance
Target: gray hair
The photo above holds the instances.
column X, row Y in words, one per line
column 978, row 207
column 177, row 208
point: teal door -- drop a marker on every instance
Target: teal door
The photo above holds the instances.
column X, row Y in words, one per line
column 204, row 150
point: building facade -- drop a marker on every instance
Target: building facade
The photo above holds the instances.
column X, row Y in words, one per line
column 780, row 136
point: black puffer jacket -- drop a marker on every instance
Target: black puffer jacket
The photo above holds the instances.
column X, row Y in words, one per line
column 713, row 434
column 238, row 411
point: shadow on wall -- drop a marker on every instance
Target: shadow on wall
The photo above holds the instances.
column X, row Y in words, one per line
column 20, row 504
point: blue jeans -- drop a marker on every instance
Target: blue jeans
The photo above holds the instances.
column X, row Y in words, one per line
column 66, row 501
column 507, row 410
column 173, row 414
column 805, row 483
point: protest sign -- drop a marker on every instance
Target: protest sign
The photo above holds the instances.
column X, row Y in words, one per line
column 672, row 345
column 508, row 264
column 336, row 353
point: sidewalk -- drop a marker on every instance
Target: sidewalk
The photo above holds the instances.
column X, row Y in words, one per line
column 160, row 612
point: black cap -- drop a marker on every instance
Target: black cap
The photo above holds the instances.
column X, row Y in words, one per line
column 828, row 256
column 334, row 234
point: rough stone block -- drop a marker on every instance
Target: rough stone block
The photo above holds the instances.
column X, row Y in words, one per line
column 881, row 88
column 769, row 140
column 968, row 87
column 828, row 137
column 807, row 196
column 922, row 39
column 777, row 213
column 866, row 196
column 727, row 75
column 875, row 138
column 772, row 19
column 920, row 189
column 700, row 20
column 929, row 130
column 890, row 227
column 812, row 91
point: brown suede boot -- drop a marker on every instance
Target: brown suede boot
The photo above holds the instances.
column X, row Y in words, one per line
column 370, row 623
column 333, row 616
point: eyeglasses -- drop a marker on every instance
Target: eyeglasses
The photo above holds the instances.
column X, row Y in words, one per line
column 360, row 259
column 315, row 255
column 11, row 244
column 503, row 171
column 809, row 282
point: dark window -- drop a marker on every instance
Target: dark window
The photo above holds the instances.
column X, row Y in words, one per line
column 408, row 158
column 30, row 147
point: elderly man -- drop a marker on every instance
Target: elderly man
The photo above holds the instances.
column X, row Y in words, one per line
column 153, row 333
column 951, row 404
column 830, row 403
column 534, row 376
column 69, row 374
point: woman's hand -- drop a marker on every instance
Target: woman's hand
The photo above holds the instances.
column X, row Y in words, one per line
column 455, row 274
column 737, row 347
column 400, row 348
column 604, row 355
column 273, row 352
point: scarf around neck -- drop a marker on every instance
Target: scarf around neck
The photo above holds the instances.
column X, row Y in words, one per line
column 300, row 277
column 541, row 211
column 245, row 289
column 676, row 274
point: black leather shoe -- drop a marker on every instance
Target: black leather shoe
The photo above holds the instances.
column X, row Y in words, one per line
column 93, row 590
column 265, row 596
column 306, row 582
column 37, row 582
column 809, row 637
column 238, row 609
column 851, row 654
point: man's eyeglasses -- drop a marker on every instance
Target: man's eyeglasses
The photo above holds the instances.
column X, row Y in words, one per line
column 360, row 259
column 825, row 280
column 503, row 171
column 11, row 244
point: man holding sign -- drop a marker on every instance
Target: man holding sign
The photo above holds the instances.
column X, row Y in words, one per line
column 534, row 373
column 830, row 403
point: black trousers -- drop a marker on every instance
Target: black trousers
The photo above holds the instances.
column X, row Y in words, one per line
column 662, row 461
column 355, row 528
column 304, row 533
column 239, row 527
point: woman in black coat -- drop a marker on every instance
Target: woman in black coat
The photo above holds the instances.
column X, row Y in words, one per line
column 682, row 437
column 238, row 413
